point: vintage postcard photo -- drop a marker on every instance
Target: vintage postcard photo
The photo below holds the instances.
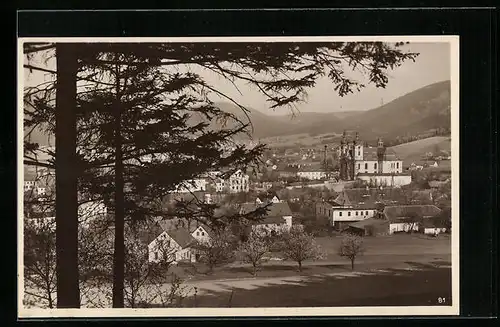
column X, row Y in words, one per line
column 283, row 176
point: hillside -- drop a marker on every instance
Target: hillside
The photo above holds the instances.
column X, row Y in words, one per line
column 287, row 124
column 418, row 111
column 415, row 113
column 413, row 151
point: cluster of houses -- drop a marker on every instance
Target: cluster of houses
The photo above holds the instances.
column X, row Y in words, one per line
column 377, row 212
column 236, row 182
column 176, row 239
column 364, row 211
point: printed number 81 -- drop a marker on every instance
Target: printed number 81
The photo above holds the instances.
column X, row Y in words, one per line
column 441, row 300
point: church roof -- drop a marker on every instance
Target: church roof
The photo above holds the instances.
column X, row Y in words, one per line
column 370, row 154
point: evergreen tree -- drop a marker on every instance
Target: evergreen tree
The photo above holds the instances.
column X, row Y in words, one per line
column 116, row 118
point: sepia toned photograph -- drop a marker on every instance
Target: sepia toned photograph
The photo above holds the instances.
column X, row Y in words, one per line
column 279, row 176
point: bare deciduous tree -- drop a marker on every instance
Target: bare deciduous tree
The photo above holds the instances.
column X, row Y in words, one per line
column 40, row 262
column 299, row 246
column 253, row 251
column 351, row 247
column 219, row 249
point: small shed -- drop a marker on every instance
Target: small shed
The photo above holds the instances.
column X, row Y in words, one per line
column 369, row 227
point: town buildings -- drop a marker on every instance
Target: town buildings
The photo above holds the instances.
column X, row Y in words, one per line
column 236, row 183
column 311, row 174
column 357, row 204
column 398, row 219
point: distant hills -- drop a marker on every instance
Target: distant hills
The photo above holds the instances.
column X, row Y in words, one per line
column 414, row 151
column 416, row 112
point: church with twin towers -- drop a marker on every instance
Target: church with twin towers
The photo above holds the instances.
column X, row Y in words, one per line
column 378, row 165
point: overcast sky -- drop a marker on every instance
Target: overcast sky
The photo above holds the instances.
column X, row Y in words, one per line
column 431, row 66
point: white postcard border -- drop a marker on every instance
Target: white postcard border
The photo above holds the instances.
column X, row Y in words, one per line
column 257, row 312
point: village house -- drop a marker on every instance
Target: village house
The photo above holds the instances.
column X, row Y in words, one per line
column 172, row 244
column 278, row 216
column 200, row 232
column 236, row 183
column 342, row 211
column 268, row 197
column 398, row 216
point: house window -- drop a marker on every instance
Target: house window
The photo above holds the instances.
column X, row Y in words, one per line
column 340, row 214
column 366, row 166
column 202, row 233
column 356, row 213
column 349, row 213
column 366, row 213
column 156, row 255
column 359, row 166
column 397, row 165
column 197, row 233
column 375, row 166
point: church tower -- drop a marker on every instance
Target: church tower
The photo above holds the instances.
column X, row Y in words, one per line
column 343, row 158
column 350, row 151
column 380, row 155
column 358, row 150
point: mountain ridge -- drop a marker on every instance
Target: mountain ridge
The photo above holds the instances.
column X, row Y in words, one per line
column 418, row 111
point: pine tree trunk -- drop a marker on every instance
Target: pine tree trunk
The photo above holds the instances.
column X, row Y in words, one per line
column 119, row 254
column 68, row 292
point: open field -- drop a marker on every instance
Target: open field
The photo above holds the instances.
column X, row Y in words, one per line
column 290, row 140
column 413, row 151
column 392, row 287
column 381, row 252
column 395, row 270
